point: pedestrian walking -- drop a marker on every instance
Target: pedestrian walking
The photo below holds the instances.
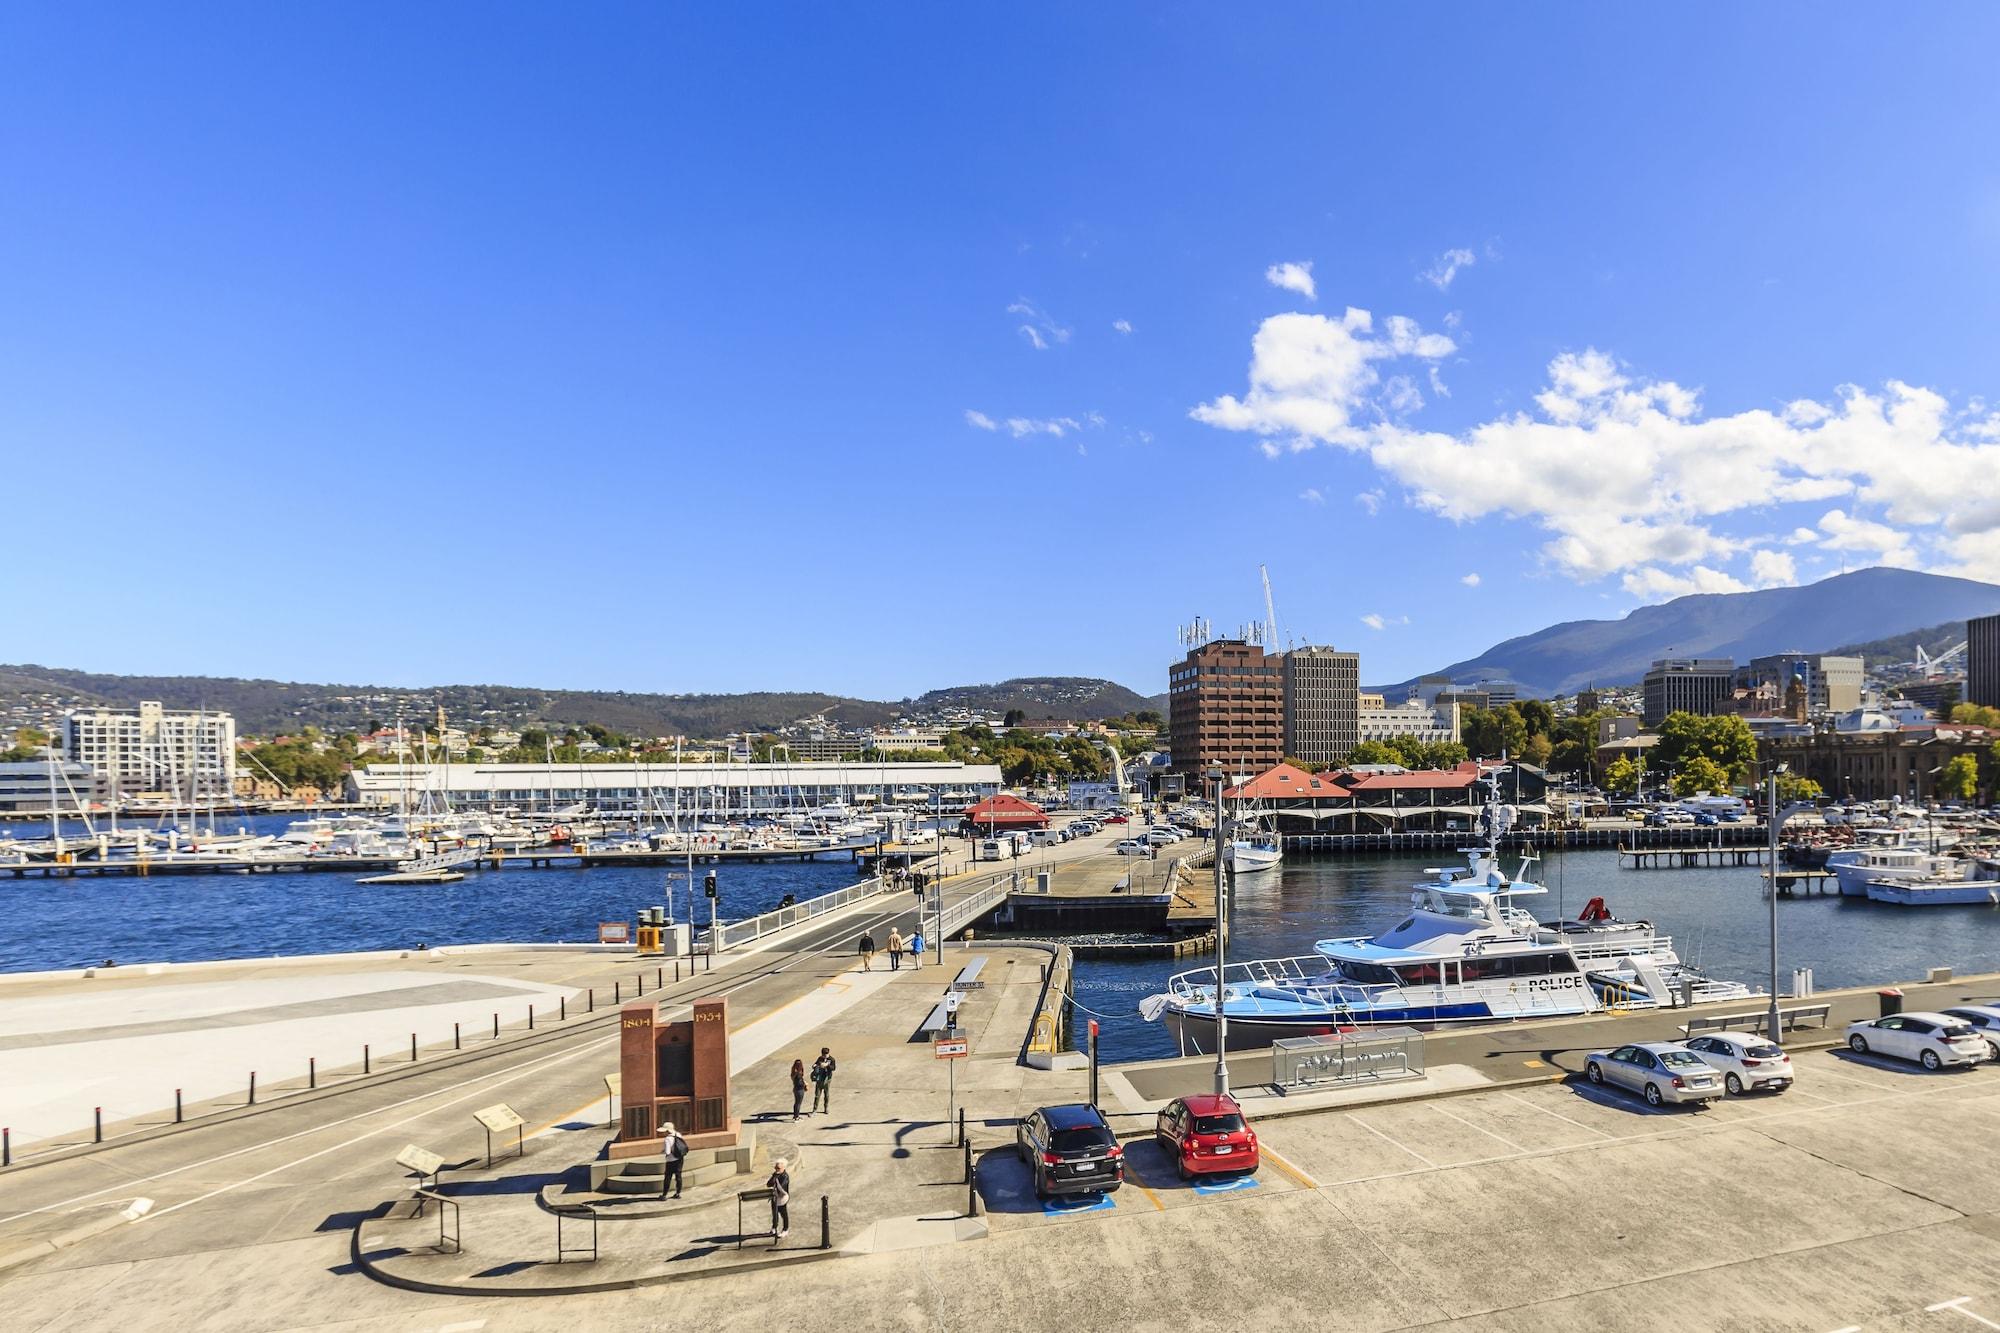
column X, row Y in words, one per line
column 780, row 1185
column 675, row 1149
column 867, row 952
column 798, row 1087
column 917, row 947
column 822, row 1080
column 895, row 949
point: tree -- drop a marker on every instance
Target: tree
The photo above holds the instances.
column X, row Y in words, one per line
column 1569, row 756
column 1015, row 717
column 1976, row 715
column 1621, row 776
column 1960, row 779
column 1372, row 752
column 1700, row 774
column 534, row 738
column 1536, row 715
column 1537, row 750
column 1492, row 732
column 1797, row 787
column 1724, row 741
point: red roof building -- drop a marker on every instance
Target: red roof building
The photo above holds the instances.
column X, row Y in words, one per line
column 1005, row 812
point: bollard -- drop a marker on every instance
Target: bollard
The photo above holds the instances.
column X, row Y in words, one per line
column 253, row 1088
column 972, row 1198
column 961, row 1130
column 563, row 1000
column 659, row 977
column 639, row 980
column 6, row 1146
column 825, row 1225
column 413, row 1048
column 677, row 970
column 312, row 1071
column 98, row 1114
column 177, row 1106
column 455, row 1040
column 617, row 992
column 968, row 1164
column 365, row 1066
column 496, row 1027
column 593, row 1000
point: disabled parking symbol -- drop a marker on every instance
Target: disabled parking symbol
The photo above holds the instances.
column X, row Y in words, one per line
column 1230, row 1186
column 1078, row 1203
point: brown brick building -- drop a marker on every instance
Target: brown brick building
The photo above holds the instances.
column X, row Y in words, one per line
column 1226, row 705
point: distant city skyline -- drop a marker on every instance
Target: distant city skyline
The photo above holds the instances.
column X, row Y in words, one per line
column 636, row 350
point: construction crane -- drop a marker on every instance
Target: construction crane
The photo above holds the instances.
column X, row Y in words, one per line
column 1270, row 610
column 1928, row 665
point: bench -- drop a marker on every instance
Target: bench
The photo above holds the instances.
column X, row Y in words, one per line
column 968, row 976
column 938, row 1020
column 1799, row 1015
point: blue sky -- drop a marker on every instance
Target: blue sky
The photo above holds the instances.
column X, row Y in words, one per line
column 880, row 348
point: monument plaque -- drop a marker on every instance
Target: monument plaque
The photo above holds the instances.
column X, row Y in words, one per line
column 674, row 1073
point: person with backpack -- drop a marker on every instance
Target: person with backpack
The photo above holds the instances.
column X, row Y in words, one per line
column 675, row 1149
column 822, row 1080
column 917, row 947
column 780, row 1185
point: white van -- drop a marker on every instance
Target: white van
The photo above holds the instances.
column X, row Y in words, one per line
column 1044, row 837
column 990, row 850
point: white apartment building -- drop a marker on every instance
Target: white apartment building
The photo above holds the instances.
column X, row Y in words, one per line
column 179, row 752
column 1376, row 720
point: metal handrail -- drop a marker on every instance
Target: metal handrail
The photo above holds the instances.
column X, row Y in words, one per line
column 729, row 934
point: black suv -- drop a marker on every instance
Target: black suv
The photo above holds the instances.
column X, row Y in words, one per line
column 1071, row 1151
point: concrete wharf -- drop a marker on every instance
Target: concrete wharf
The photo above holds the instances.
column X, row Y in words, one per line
column 1607, row 833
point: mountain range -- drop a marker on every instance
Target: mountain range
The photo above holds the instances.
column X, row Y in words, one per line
column 1847, row 609
column 272, row 707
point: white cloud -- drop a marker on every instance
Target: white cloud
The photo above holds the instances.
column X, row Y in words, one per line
column 1023, row 427
column 1293, row 278
column 1371, row 501
column 1376, row 621
column 1773, row 569
column 1627, row 474
column 1040, row 331
column 1310, row 375
column 1312, row 496
column 1122, row 325
column 1446, row 266
column 1470, row 580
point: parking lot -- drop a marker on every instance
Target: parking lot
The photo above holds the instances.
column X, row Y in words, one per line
column 1863, row 1197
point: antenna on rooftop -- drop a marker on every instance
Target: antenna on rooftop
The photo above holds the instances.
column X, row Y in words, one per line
column 1195, row 633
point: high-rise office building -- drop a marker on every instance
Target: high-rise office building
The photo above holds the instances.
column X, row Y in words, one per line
column 1982, row 661
column 1225, row 705
column 1322, row 697
column 1833, row 684
column 1687, row 685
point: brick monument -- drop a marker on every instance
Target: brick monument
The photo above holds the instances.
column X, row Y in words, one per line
column 674, row 1072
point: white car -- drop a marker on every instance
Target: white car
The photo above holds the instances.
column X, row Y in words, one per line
column 1932, row 1040
column 1160, row 837
column 1985, row 1020
column 1134, row 847
column 1747, row 1061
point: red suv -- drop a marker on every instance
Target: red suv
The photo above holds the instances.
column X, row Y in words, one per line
column 1207, row 1135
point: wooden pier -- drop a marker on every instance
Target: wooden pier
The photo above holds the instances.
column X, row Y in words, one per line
column 1617, row 835
column 1691, row 858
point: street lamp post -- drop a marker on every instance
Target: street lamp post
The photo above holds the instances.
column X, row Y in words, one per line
column 1777, row 819
column 1221, row 937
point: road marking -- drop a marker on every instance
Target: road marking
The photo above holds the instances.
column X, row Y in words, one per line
column 1497, row 1138
column 285, row 1138
column 1294, row 1172
column 1392, row 1142
column 1958, row 1307
column 1602, row 1134
column 362, row 1138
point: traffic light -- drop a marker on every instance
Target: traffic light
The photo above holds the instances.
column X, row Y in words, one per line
column 708, row 886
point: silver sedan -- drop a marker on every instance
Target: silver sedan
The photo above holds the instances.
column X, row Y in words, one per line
column 1659, row 1071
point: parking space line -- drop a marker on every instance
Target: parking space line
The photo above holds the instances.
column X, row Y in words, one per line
column 1602, row 1134
column 1392, row 1142
column 1497, row 1138
column 1957, row 1306
column 1294, row 1172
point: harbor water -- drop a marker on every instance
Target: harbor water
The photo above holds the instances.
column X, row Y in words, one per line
column 1719, row 920
column 61, row 923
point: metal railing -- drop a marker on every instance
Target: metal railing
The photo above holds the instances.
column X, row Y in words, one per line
column 955, row 916
column 1346, row 1058
column 730, row 934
